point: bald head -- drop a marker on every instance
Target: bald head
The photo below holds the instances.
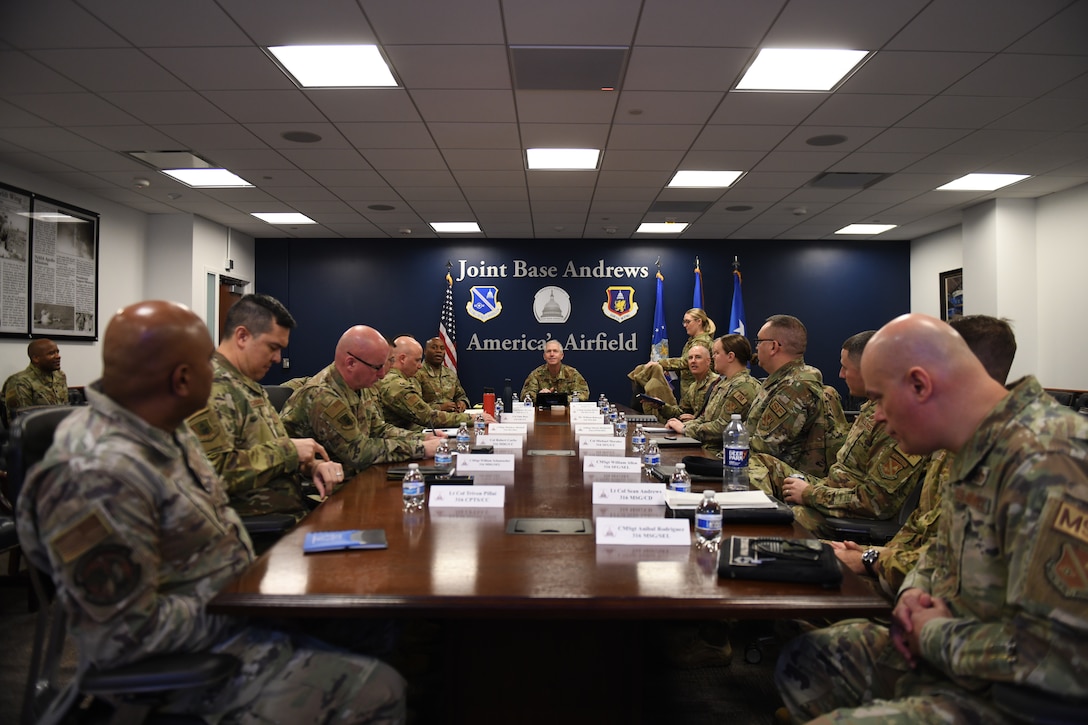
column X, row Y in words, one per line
column 44, row 355
column 156, row 361
column 407, row 355
column 929, row 387
column 362, row 354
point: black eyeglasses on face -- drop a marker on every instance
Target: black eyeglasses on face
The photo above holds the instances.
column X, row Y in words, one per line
column 757, row 340
column 375, row 368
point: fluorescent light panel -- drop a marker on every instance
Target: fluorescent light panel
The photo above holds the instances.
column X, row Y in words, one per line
column 799, row 69
column 456, row 227
column 704, row 179
column 661, row 227
column 335, row 66
column 284, row 217
column 866, row 228
column 982, row 182
column 206, row 178
column 565, row 159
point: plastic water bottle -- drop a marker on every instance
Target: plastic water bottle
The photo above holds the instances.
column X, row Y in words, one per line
column 735, row 455
column 708, row 522
column 499, row 408
column 680, row 481
column 464, row 440
column 443, row 457
column 612, row 413
column 412, row 489
column 514, row 400
column 619, row 426
column 602, row 402
column 638, row 439
column 651, row 456
column 528, row 401
column 575, row 397
column 481, row 426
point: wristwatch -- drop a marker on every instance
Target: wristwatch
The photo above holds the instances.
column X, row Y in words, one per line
column 868, row 558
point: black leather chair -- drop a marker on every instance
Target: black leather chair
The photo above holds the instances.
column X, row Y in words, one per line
column 1081, row 403
column 1028, row 705
column 1064, row 397
column 874, row 531
column 278, row 394
column 139, row 687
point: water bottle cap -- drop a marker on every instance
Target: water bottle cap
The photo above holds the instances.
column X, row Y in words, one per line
column 708, row 493
column 735, row 416
column 680, row 467
column 413, row 465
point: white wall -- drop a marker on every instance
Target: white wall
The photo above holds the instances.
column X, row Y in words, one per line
column 929, row 256
column 1062, row 272
column 121, row 263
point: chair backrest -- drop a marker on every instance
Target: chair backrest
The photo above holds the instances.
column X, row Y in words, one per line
column 1081, row 402
column 31, row 435
column 1064, row 397
column 278, row 395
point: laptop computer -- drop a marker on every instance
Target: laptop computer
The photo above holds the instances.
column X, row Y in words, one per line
column 549, row 399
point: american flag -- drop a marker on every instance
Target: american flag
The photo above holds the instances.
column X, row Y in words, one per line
column 447, row 326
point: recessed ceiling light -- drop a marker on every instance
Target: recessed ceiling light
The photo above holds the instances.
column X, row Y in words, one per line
column 982, row 182
column 381, row 207
column 334, row 66
column 739, row 207
column 300, row 136
column 799, row 69
column 284, row 217
column 827, row 139
column 704, row 179
column 566, row 159
column 207, row 178
column 866, row 228
column 456, row 227
column 661, row 227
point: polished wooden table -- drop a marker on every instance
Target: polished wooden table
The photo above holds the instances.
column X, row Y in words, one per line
column 461, row 563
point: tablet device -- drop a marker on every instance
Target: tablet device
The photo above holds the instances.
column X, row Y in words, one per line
column 649, row 399
column 549, row 399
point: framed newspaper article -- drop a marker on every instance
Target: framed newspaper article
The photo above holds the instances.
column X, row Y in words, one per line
column 64, row 273
column 14, row 261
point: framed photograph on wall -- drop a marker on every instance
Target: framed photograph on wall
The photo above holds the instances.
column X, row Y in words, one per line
column 64, row 277
column 951, row 294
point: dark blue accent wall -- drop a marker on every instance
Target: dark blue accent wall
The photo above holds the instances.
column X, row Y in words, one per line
column 397, row 285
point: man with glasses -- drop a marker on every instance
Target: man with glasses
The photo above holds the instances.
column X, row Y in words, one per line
column 240, row 431
column 793, row 418
column 338, row 409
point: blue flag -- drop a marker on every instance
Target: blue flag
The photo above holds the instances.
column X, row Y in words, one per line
column 736, row 314
column 659, row 348
column 697, row 297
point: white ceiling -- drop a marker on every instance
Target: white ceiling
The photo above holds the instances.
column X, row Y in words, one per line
column 954, row 86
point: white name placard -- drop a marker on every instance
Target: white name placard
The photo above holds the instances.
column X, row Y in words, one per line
column 500, row 441
column 519, row 414
column 643, row 532
column 469, row 497
column 602, row 443
column 634, row 511
column 587, row 415
column 603, row 431
column 611, row 464
column 643, row 494
column 630, row 555
column 508, row 429
column 584, row 405
column 469, row 462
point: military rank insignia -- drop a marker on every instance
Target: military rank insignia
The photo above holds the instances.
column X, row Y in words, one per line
column 620, row 304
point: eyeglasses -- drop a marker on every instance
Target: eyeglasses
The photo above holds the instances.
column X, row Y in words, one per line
column 375, row 368
column 757, row 340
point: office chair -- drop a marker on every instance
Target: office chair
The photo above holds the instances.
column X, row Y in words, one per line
column 139, row 687
column 1064, row 397
column 875, row 531
column 1029, row 705
column 1081, row 403
column 278, row 395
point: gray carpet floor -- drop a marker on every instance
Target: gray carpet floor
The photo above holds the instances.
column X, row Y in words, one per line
column 740, row 694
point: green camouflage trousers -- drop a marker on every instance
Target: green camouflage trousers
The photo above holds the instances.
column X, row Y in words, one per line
column 851, row 673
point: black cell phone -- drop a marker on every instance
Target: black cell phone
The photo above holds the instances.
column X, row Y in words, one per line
column 650, row 399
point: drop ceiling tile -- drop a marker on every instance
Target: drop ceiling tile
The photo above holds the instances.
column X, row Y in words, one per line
column 665, row 107
column 761, row 109
column 715, row 23
column 814, row 161
column 469, row 178
column 495, row 193
column 252, row 159
column 916, row 73
column 475, row 135
column 603, row 22
column 645, row 160
column 387, row 135
column 110, row 69
column 208, row 137
column 72, row 109
column 272, row 134
column 128, row 138
column 206, row 69
column 165, row 24
column 684, row 69
column 451, row 66
column 995, row 143
column 174, row 107
column 282, row 22
column 265, row 106
column 322, row 160
column 47, row 139
column 913, row 140
column 460, row 106
column 1046, row 114
column 371, row 104
column 861, row 161
column 721, row 160
column 473, row 22
column 23, row 74
column 565, row 107
column 951, row 25
column 634, row 136
column 493, row 159
column 564, row 135
column 383, row 159
column 856, row 137
column 55, row 24
column 1010, row 74
column 854, row 24
column 865, row 109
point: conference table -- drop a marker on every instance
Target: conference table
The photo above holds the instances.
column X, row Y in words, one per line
column 508, row 598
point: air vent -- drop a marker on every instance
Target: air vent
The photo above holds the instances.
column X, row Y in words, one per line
column 549, row 68
column 846, row 180
column 680, row 207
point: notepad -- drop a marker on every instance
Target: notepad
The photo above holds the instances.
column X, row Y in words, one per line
column 351, row 539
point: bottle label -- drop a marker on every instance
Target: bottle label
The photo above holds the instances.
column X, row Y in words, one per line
column 681, row 486
column 736, row 457
column 443, row 459
column 412, row 488
column 651, row 459
column 708, row 522
column 638, row 440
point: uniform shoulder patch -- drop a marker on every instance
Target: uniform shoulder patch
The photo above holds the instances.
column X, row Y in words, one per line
column 1069, row 571
column 83, row 535
column 107, row 574
column 1072, row 520
column 777, row 409
column 892, row 466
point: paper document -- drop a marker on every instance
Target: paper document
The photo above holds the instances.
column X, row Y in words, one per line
column 725, row 499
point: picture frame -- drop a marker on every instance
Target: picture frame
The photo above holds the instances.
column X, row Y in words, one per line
column 951, row 289
column 64, row 279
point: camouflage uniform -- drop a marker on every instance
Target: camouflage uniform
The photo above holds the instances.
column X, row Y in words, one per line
column 568, row 380
column 137, row 532
column 295, row 383
column 248, row 446
column 440, row 385
column 1008, row 560
column 900, row 555
column 403, row 405
column 691, row 401
column 33, row 387
column 348, row 423
column 680, row 364
column 734, row 394
column 794, row 419
column 870, row 479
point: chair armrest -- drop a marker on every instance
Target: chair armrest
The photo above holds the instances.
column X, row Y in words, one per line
column 268, row 523
column 161, row 673
column 863, row 531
